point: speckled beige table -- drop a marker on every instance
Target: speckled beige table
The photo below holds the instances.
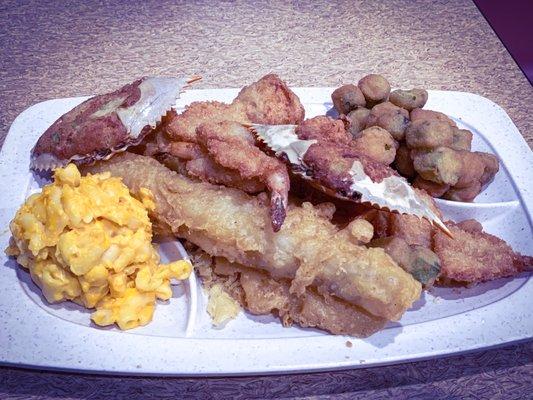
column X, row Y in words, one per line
column 51, row 49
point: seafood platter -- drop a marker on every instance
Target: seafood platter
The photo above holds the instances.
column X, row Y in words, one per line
column 163, row 229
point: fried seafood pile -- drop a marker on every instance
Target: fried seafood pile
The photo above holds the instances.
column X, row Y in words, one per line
column 279, row 215
column 424, row 146
column 209, row 142
column 309, row 251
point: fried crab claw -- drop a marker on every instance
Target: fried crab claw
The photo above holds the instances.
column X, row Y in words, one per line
column 341, row 172
column 107, row 124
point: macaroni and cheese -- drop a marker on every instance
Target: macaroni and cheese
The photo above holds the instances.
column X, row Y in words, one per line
column 86, row 239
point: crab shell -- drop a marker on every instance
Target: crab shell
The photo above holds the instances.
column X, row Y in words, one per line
column 380, row 187
column 106, row 124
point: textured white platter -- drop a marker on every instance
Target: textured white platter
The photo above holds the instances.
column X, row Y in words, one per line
column 181, row 341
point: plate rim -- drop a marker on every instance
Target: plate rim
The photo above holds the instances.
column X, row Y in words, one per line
column 188, row 348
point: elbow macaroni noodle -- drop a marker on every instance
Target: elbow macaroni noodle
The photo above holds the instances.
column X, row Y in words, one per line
column 86, row 239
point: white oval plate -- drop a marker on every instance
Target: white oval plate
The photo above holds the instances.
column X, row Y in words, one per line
column 181, row 340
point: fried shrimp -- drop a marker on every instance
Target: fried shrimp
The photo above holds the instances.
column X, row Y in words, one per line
column 232, row 146
column 208, row 142
column 182, row 127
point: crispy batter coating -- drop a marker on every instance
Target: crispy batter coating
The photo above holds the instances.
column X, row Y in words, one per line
column 229, row 223
column 375, row 88
column 472, row 171
column 347, row 98
column 260, row 294
column 270, row 101
column 380, row 221
column 182, row 127
column 267, row 101
column 395, row 123
column 428, row 134
column 409, row 99
column 386, row 108
column 232, row 146
column 194, row 160
column 462, row 140
column 432, row 188
column 396, row 247
column 390, row 117
column 330, row 160
column 356, row 121
column 492, row 166
column 466, row 194
column 204, row 168
column 403, row 163
column 376, row 143
column 419, row 114
column 324, row 128
column 413, row 230
column 474, row 256
column 329, row 164
column 419, row 261
column 441, row 165
column 227, row 153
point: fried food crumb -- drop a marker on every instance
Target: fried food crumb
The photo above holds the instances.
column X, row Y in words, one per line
column 221, row 306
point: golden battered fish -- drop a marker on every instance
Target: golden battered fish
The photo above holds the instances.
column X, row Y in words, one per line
column 308, row 249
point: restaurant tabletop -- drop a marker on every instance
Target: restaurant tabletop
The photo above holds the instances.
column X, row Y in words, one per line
column 53, row 49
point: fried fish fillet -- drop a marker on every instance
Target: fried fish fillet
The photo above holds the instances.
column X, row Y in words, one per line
column 260, row 294
column 474, row 256
column 309, row 249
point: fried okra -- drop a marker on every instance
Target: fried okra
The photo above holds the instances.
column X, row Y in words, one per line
column 409, row 99
column 403, row 162
column 419, row 114
column 419, row 261
column 389, row 117
column 396, row 247
column 428, row 134
column 375, row 88
column 376, row 143
column 467, row 194
column 462, row 139
column 387, row 107
column 347, row 98
column 441, row 165
column 491, row 166
column 472, row 171
column 357, row 120
column 432, row 188
column 425, row 265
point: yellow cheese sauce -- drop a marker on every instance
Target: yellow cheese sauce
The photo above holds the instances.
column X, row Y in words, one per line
column 86, row 239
